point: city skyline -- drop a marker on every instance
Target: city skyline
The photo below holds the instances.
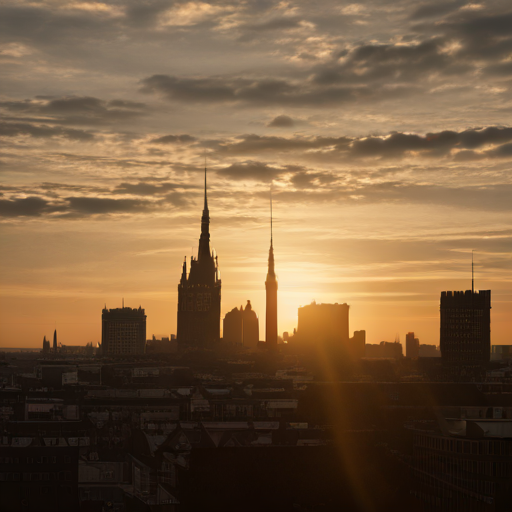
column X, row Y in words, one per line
column 383, row 127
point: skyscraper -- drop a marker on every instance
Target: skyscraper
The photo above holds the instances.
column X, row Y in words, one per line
column 199, row 291
column 271, row 289
column 412, row 346
column 55, row 341
column 123, row 331
column 465, row 331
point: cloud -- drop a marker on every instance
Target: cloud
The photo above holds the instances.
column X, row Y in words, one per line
column 97, row 205
column 43, row 131
column 250, row 170
column 281, row 121
column 437, row 9
column 78, row 110
column 173, row 139
column 26, row 207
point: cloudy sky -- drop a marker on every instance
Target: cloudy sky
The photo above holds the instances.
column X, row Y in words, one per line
column 383, row 127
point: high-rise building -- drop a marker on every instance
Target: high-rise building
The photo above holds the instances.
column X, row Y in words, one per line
column 233, row 326
column 322, row 324
column 412, row 346
column 46, row 346
column 251, row 327
column 123, row 331
column 465, row 330
column 55, row 341
column 199, row 292
column 271, row 291
column 241, row 327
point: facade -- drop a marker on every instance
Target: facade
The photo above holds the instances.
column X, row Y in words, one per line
column 322, row 324
column 241, row 327
column 271, row 296
column 123, row 331
column 199, row 292
column 470, row 470
column 465, row 331
column 385, row 350
column 46, row 346
column 412, row 346
column 251, row 328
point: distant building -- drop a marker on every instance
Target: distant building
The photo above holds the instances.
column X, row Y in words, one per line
column 46, row 346
column 123, row 331
column 428, row 351
column 241, row 327
column 55, row 341
column 164, row 345
column 501, row 352
column 384, row 350
column 251, row 327
column 323, row 324
column 233, row 326
column 357, row 344
column 465, row 331
column 412, row 346
column 199, row 292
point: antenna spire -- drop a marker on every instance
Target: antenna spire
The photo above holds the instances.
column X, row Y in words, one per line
column 205, row 197
column 472, row 272
column 271, row 233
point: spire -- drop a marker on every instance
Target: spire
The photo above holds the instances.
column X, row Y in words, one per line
column 472, row 273
column 271, row 275
column 204, row 240
column 55, row 340
column 271, row 235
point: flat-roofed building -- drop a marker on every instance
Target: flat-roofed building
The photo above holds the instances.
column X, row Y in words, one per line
column 123, row 331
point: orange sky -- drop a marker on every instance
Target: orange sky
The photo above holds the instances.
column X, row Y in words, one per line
column 383, row 128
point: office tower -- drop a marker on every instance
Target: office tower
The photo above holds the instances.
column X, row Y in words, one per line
column 251, row 328
column 199, row 291
column 233, row 327
column 412, row 346
column 46, row 345
column 123, row 331
column 465, row 330
column 271, row 291
column 241, row 327
column 55, row 341
column 323, row 324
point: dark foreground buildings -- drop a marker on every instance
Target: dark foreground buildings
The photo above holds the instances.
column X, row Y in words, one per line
column 199, row 292
column 465, row 332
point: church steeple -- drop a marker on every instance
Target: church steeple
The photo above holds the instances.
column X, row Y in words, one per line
column 204, row 239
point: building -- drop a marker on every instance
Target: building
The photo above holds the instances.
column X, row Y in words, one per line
column 429, row 351
column 271, row 291
column 241, row 327
column 384, row 350
column 199, row 292
column 251, row 327
column 501, row 352
column 412, row 346
column 464, row 465
column 465, row 331
column 323, row 324
column 123, row 331
column 46, row 346
column 162, row 345
column 55, row 341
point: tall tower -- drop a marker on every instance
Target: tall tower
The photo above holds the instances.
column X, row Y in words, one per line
column 55, row 341
column 271, row 289
column 199, row 291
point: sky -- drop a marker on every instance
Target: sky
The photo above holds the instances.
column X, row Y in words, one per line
column 382, row 127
